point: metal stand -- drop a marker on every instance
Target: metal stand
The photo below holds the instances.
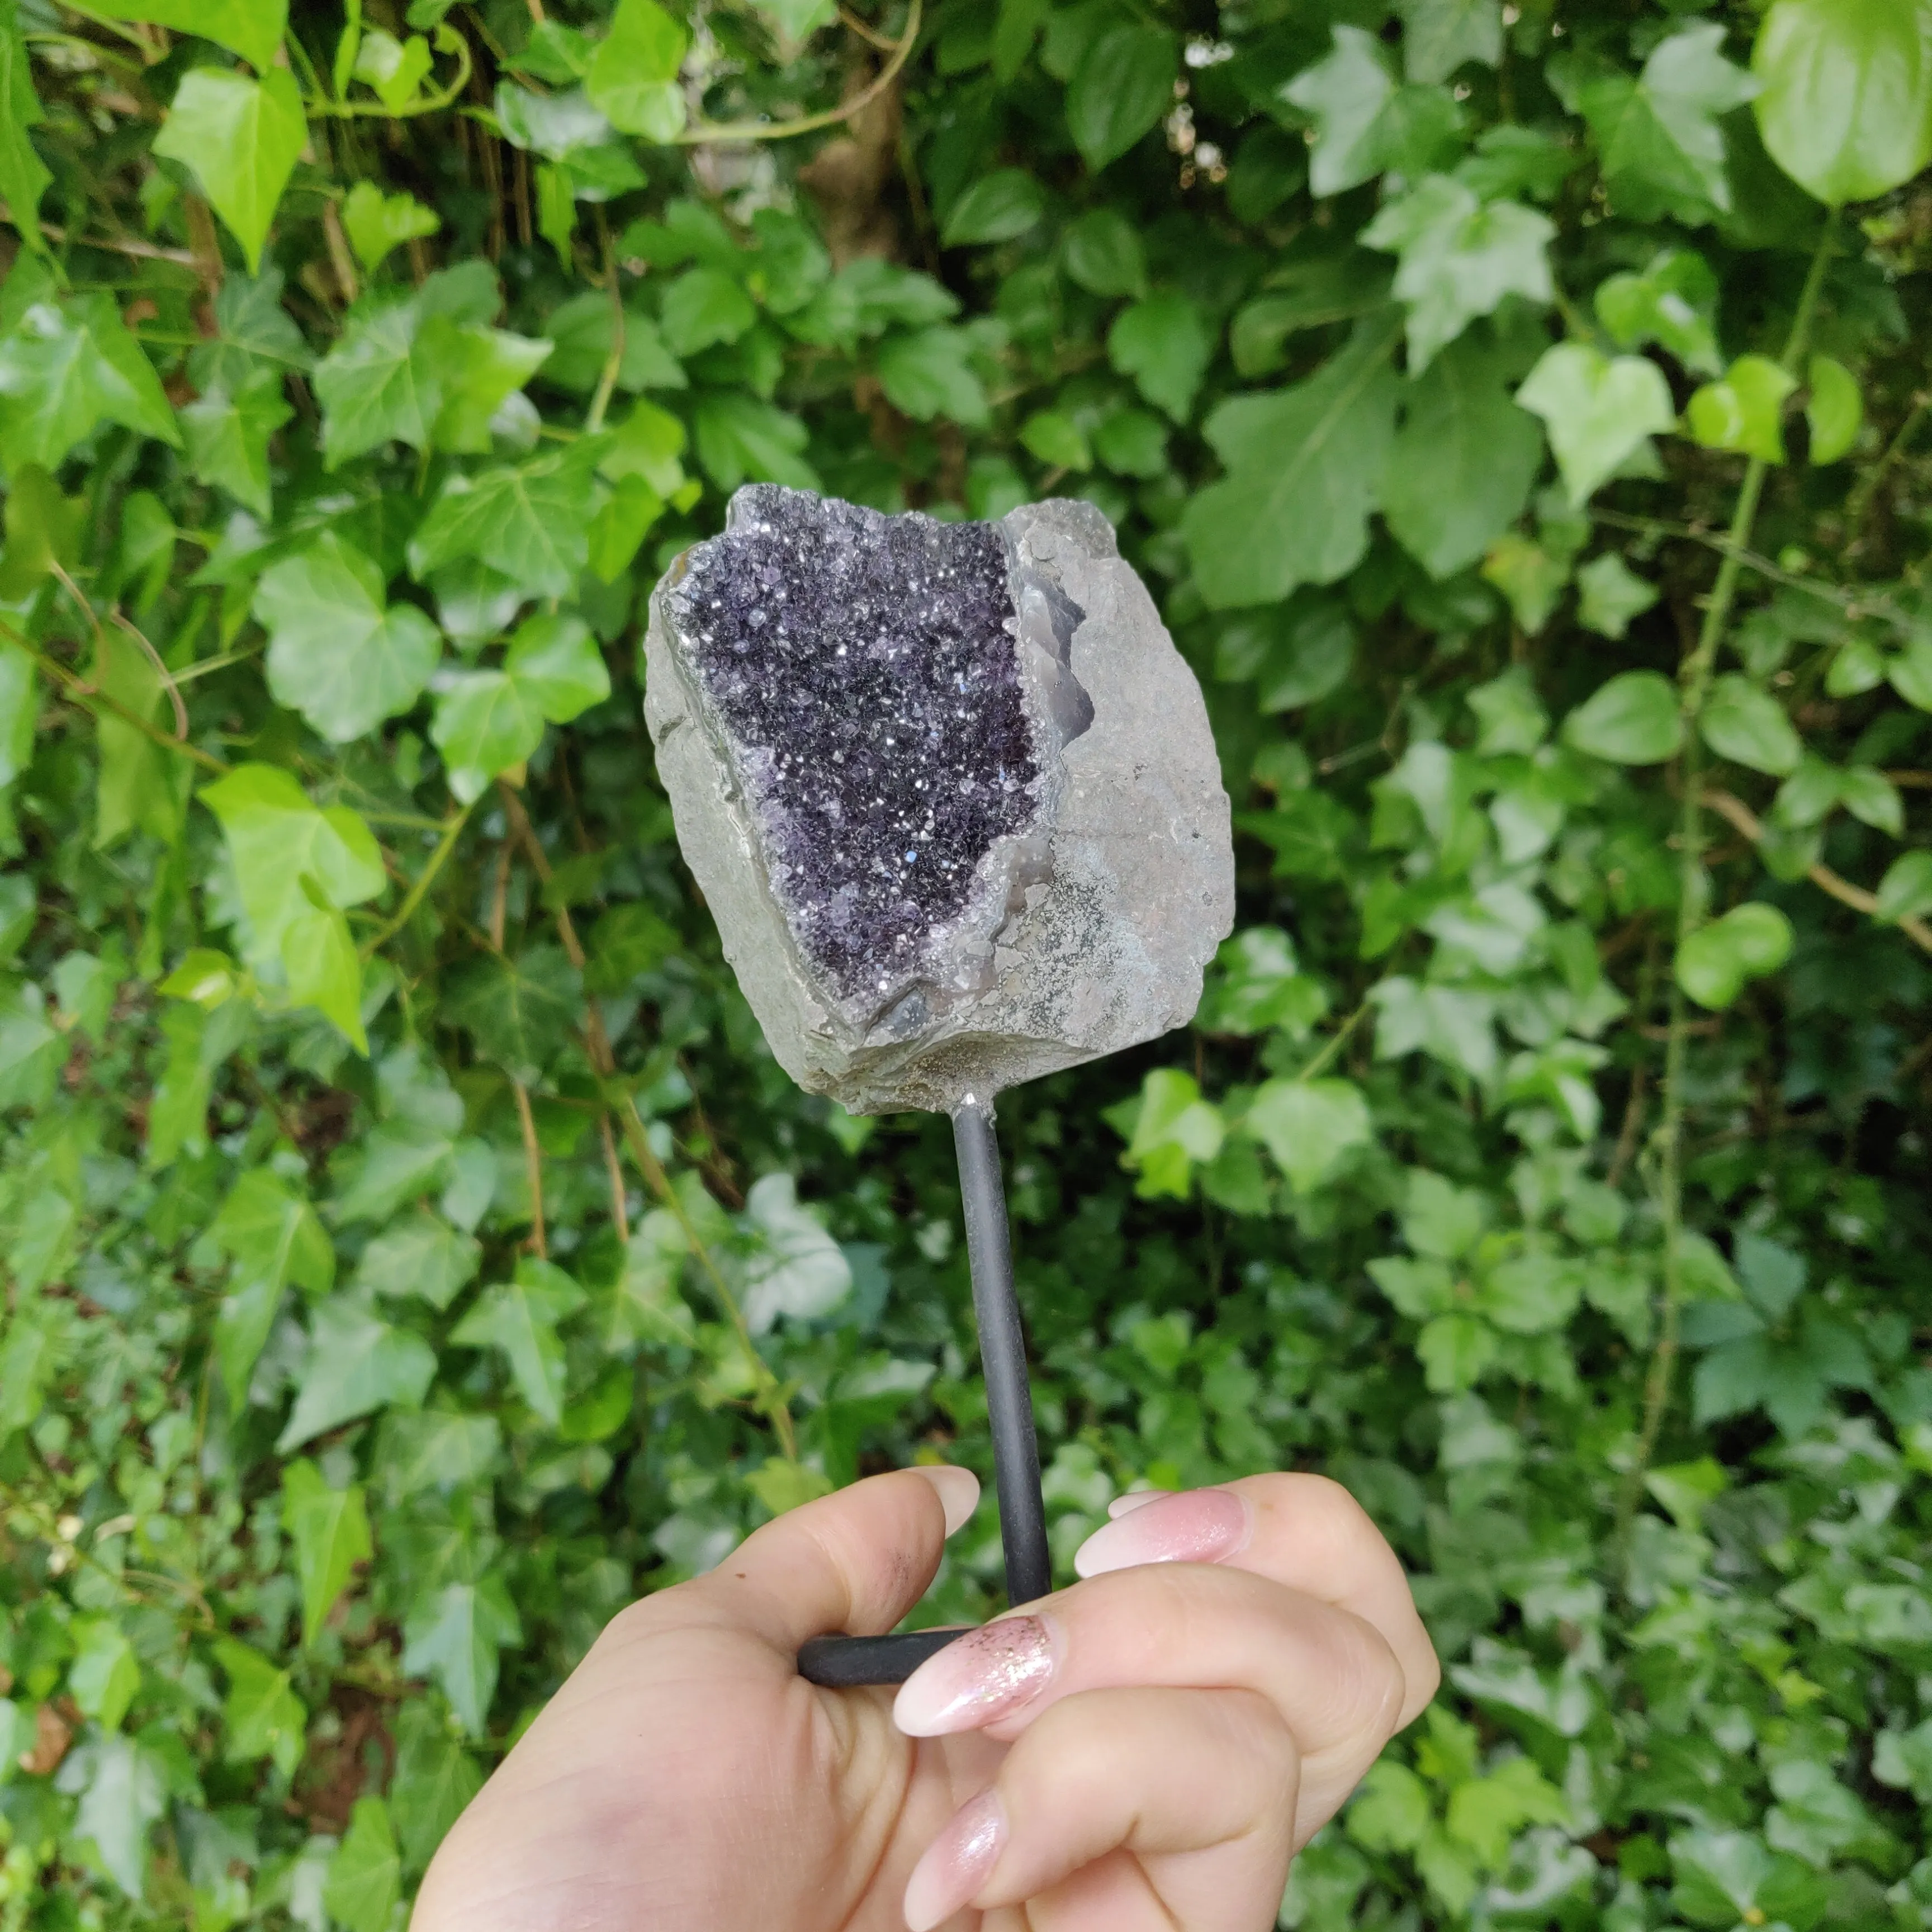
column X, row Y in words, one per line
column 841, row 1662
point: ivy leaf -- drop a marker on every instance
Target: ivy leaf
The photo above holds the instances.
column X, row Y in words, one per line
column 1745, row 411
column 1304, row 468
column 1452, row 1025
column 1748, row 726
column 998, row 207
column 1463, row 464
column 1122, row 86
column 330, row 1530
column 521, row 1012
column 24, row 176
column 227, row 438
column 1906, row 890
column 122, row 1793
column 518, row 1319
column 490, row 722
column 365, row 1876
column 704, row 307
column 377, row 384
column 1365, row 123
column 253, row 29
column 1611, row 595
column 1846, row 107
column 394, row 70
column 356, row 1362
column 581, row 331
column 1103, row 253
column 1460, row 258
column 421, row 1255
column 338, row 652
column 457, row 1637
column 434, row 1781
column 741, row 440
column 1439, row 36
column 262, row 1716
column 633, row 76
column 1598, row 411
column 930, row 374
column 277, row 837
column 105, row 1675
column 274, row 1238
column 1308, row 1126
column 1658, row 142
column 254, row 337
column 1162, row 344
column 1835, row 412
column 376, row 223
column 66, row 369
column 797, row 1269
column 530, row 523
column 1750, row 941
column 1673, row 302
column 479, row 369
column 242, row 138
column 1634, row 719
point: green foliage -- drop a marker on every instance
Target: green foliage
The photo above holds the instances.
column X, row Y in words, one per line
column 410, row 1253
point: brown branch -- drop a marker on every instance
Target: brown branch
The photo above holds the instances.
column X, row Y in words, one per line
column 533, row 1167
column 1839, row 888
column 619, row 1214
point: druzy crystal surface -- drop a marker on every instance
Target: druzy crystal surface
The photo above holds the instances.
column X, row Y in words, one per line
column 864, row 665
column 947, row 787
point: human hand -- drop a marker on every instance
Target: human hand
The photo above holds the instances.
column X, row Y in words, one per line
column 1144, row 1751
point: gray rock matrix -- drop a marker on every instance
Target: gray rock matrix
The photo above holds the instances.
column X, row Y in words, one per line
column 949, row 790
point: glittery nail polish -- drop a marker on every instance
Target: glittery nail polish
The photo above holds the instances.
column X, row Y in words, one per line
column 987, row 1673
column 956, row 1864
column 1196, row 1526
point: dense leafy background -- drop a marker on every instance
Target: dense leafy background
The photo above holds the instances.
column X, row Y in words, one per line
column 411, row 1253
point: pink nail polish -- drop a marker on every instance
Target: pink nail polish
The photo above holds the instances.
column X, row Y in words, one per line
column 988, row 1673
column 1197, row 1526
column 956, row 1864
column 1135, row 1499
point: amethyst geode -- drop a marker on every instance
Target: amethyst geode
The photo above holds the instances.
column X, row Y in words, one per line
column 949, row 790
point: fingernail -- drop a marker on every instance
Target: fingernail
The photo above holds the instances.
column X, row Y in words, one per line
column 956, row 1864
column 1126, row 1505
column 958, row 1490
column 988, row 1673
column 1196, row 1526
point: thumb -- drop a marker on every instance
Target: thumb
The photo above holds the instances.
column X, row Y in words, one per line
column 855, row 1561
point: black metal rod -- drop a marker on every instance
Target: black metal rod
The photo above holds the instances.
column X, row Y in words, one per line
column 1002, row 1356
column 844, row 1662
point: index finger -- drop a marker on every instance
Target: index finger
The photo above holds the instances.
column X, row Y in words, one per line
column 1302, row 1531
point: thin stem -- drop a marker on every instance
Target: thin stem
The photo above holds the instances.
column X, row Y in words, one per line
column 1334, row 1044
column 1863, row 497
column 452, row 830
column 319, row 105
column 167, row 676
column 1741, row 816
column 99, row 701
column 1694, row 680
column 705, row 133
column 613, row 363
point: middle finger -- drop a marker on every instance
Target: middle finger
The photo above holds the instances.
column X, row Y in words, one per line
column 1331, row 1675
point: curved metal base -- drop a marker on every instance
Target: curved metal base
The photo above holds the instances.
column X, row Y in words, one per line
column 843, row 1662
column 840, row 1662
